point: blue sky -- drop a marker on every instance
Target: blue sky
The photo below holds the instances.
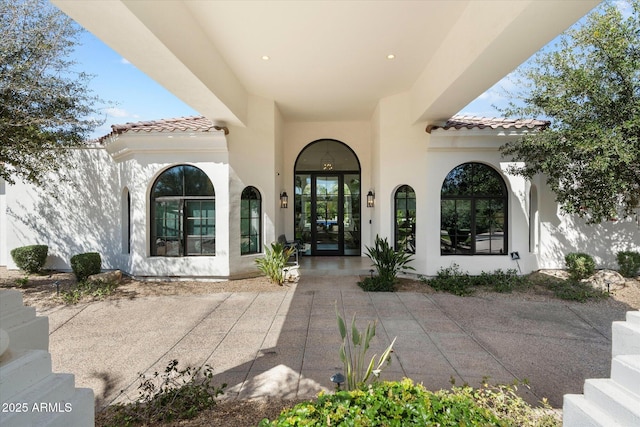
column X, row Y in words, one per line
column 135, row 96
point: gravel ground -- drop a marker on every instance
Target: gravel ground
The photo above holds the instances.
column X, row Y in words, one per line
column 40, row 292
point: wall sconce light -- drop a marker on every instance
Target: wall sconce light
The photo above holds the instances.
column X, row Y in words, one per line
column 284, row 200
column 371, row 199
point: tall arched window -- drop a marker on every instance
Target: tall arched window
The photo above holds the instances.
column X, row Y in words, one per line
column 183, row 209
column 473, row 211
column 405, row 219
column 250, row 221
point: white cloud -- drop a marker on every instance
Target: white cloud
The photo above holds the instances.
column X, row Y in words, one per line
column 124, row 61
column 116, row 112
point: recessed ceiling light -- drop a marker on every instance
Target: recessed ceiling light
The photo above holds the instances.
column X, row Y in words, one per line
column 391, row 56
column 265, row 57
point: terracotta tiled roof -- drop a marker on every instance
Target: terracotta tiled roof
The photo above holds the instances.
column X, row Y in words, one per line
column 180, row 124
column 475, row 122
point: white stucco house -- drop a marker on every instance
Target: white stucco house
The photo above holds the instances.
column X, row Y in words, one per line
column 330, row 122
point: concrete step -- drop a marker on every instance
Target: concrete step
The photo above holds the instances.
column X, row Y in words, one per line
column 79, row 412
column 625, row 370
column 15, row 316
column 633, row 317
column 10, row 299
column 52, row 402
column 22, row 370
column 577, row 411
column 613, row 399
column 625, row 338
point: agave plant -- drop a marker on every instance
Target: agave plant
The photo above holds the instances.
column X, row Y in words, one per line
column 353, row 354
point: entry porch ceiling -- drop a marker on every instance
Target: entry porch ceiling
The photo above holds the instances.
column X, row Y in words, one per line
column 327, row 59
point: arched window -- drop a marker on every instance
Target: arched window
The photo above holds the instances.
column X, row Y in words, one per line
column 473, row 211
column 183, row 209
column 250, row 221
column 534, row 219
column 405, row 219
column 125, row 221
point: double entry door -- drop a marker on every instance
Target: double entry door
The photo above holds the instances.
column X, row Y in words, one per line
column 328, row 213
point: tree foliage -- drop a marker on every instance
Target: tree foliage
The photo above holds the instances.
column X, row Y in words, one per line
column 589, row 88
column 45, row 105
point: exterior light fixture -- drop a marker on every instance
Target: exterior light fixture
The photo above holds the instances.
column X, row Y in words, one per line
column 371, row 197
column 284, row 200
column 337, row 379
column 327, row 160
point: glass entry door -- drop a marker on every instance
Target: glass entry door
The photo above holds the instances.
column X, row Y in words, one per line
column 327, row 222
column 328, row 213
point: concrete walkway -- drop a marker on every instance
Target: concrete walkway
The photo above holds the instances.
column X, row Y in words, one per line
column 285, row 343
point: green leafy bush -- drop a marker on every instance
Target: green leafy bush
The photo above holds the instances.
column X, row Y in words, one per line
column 86, row 264
column 274, row 261
column 451, row 279
column 628, row 263
column 388, row 264
column 580, row 265
column 454, row 280
column 172, row 395
column 30, row 258
column 502, row 281
column 353, row 353
column 387, row 404
column 403, row 403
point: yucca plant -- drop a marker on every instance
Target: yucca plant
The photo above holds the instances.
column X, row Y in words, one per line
column 274, row 261
column 353, row 353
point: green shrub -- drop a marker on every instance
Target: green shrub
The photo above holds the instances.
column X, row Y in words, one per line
column 172, row 395
column 376, row 284
column 388, row 264
column 274, row 261
column 395, row 403
column 455, row 281
column 580, row 265
column 503, row 281
column 403, row 403
column 451, row 279
column 30, row 258
column 84, row 265
column 628, row 263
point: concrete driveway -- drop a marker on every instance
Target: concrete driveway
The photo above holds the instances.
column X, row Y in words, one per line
column 285, row 343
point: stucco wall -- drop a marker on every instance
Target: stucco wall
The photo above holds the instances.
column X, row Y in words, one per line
column 356, row 135
column 75, row 215
column 255, row 160
column 88, row 212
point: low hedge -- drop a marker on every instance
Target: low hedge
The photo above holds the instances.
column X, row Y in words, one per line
column 31, row 258
column 580, row 265
column 86, row 264
column 628, row 263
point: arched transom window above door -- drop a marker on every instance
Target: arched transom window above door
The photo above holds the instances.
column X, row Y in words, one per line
column 327, row 199
column 183, row 212
column 473, row 211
